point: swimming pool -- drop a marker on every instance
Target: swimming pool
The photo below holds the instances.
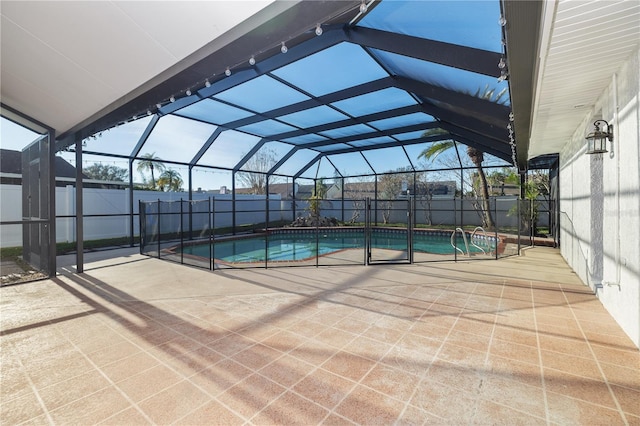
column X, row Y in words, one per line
column 297, row 245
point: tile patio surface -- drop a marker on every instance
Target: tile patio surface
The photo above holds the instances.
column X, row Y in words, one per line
column 135, row 340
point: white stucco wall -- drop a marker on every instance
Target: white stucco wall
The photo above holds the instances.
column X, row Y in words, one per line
column 600, row 202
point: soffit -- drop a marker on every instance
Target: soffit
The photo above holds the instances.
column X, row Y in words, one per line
column 583, row 44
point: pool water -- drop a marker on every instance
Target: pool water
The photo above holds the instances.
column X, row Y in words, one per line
column 301, row 246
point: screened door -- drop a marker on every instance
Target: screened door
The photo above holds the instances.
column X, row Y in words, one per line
column 37, row 229
column 388, row 230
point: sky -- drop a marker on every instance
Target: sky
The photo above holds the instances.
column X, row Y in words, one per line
column 177, row 139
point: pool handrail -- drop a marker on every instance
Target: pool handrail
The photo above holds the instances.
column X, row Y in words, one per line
column 486, row 239
column 464, row 237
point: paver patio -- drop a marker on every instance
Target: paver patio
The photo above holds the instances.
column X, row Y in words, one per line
column 135, row 340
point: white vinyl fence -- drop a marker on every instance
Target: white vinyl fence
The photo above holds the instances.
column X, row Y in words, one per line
column 107, row 211
column 112, row 206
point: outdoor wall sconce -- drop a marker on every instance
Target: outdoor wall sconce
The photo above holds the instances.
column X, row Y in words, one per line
column 597, row 140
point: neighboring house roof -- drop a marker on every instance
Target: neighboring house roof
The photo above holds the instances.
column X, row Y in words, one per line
column 285, row 190
column 11, row 162
column 367, row 189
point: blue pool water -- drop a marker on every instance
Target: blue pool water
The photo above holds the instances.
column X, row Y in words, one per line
column 301, row 246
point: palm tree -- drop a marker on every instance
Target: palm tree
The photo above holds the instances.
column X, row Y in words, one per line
column 477, row 157
column 170, row 180
column 151, row 162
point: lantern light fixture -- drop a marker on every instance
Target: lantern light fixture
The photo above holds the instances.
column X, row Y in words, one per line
column 597, row 140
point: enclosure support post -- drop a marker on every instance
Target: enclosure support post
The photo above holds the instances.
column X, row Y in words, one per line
column 143, row 226
column 233, row 203
column 367, row 229
column 410, row 227
column 519, row 223
column 182, row 231
column 159, row 228
column 266, row 223
column 495, row 215
column 79, row 211
column 461, row 195
column 131, row 221
column 190, row 205
column 375, row 206
column 342, row 196
column 317, row 231
column 212, row 218
column 455, row 226
column 293, row 197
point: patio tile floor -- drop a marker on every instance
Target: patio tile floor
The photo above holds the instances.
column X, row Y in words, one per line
column 134, row 340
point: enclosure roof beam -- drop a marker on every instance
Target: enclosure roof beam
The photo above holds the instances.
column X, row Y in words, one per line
column 471, row 123
column 145, row 135
column 249, row 154
column 373, row 134
column 500, row 149
column 427, row 139
column 206, row 146
column 288, row 155
column 348, row 122
column 462, row 57
column 486, row 148
column 489, row 111
column 368, row 148
column 307, row 166
column 351, row 92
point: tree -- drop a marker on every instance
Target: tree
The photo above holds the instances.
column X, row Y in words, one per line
column 498, row 178
column 170, row 180
column 255, row 178
column 535, row 186
column 151, row 162
column 315, row 201
column 477, row 157
column 389, row 188
column 424, row 195
column 106, row 172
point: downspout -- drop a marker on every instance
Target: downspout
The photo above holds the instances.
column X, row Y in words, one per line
column 615, row 154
